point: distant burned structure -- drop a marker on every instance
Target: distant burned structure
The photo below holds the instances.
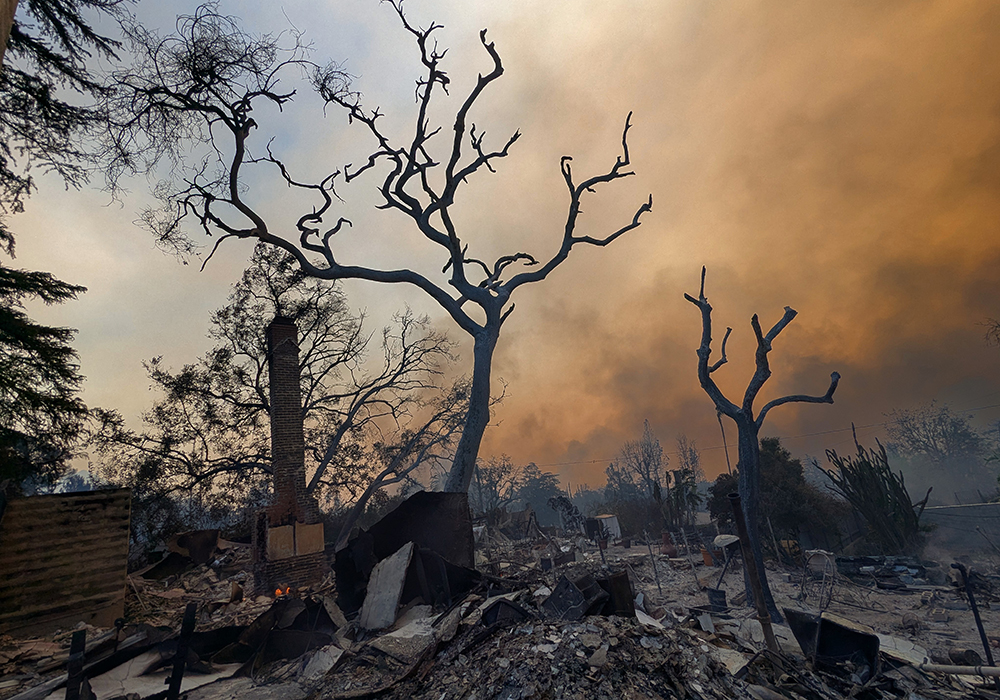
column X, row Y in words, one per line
column 288, row 535
column 64, row 560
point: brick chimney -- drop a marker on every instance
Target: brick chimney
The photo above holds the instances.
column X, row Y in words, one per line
column 288, row 537
column 288, row 449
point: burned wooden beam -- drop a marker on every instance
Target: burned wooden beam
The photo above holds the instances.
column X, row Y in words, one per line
column 74, row 667
column 180, row 656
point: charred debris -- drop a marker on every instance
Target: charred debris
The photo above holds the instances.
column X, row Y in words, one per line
column 428, row 604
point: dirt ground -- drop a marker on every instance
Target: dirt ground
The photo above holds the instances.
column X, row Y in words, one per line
column 934, row 617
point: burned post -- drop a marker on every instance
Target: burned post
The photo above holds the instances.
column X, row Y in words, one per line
column 288, row 536
column 975, row 612
column 652, row 562
column 74, row 667
column 180, row 656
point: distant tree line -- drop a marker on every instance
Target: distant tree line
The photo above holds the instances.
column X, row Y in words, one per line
column 498, row 484
column 936, row 446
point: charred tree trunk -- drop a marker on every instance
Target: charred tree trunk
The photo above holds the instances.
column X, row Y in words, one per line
column 460, row 477
column 7, row 10
column 749, row 489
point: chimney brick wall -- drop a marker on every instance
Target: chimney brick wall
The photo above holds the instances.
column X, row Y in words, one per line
column 291, row 502
column 286, row 554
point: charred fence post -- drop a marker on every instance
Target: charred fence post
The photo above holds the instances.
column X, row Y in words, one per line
column 652, row 562
column 751, row 566
column 74, row 668
column 975, row 613
column 180, row 658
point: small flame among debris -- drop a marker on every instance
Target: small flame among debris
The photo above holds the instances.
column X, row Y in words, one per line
column 278, row 592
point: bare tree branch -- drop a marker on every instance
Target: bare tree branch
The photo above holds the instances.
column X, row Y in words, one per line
column 576, row 195
column 722, row 360
column 722, row 404
column 800, row 398
column 763, row 371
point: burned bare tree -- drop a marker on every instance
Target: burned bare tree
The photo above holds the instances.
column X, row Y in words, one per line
column 748, row 425
column 494, row 484
column 203, row 84
column 372, row 411
column 645, row 461
column 684, row 497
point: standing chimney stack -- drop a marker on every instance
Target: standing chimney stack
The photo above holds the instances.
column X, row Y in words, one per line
column 288, row 537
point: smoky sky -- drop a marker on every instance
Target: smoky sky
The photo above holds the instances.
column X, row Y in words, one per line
column 840, row 158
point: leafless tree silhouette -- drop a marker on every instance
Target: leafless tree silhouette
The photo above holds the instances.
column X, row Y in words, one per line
column 202, row 84
column 748, row 425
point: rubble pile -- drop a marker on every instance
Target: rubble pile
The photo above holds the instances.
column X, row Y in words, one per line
column 600, row 657
column 219, row 587
column 770, row 676
column 538, row 617
column 155, row 602
column 25, row 662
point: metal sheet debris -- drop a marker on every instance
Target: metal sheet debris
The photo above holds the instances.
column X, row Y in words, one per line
column 385, row 588
column 830, row 640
